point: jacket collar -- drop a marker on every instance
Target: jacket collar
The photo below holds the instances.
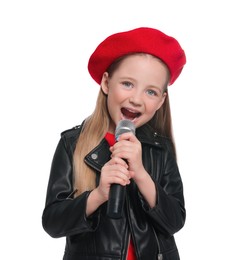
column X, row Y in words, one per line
column 147, row 135
column 101, row 154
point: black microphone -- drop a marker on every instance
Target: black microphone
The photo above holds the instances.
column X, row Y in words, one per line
column 117, row 191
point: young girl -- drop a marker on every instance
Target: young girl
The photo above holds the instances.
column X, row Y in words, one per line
column 134, row 69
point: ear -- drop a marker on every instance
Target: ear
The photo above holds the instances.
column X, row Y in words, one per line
column 163, row 99
column 104, row 83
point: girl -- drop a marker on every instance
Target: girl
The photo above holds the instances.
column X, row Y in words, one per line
column 134, row 69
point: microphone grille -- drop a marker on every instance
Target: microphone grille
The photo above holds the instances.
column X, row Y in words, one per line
column 124, row 126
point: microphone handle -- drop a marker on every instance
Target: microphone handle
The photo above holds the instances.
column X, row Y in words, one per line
column 116, row 201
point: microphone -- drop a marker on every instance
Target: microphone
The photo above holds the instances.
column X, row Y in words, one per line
column 117, row 191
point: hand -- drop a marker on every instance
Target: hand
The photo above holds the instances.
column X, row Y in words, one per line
column 129, row 148
column 114, row 171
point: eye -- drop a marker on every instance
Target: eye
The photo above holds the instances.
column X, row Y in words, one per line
column 152, row 92
column 127, row 84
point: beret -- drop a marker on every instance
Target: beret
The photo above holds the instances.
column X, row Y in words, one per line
column 139, row 40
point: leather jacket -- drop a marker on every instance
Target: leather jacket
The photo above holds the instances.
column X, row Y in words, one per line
column 99, row 237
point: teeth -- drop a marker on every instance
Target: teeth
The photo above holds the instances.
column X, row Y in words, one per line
column 130, row 114
column 130, row 110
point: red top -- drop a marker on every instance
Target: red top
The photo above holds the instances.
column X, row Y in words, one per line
column 131, row 251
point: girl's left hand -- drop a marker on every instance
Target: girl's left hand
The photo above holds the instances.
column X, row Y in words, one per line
column 129, row 148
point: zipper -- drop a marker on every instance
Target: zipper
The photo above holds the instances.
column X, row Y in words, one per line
column 127, row 250
column 130, row 225
column 160, row 255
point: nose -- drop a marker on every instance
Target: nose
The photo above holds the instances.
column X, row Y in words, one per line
column 136, row 98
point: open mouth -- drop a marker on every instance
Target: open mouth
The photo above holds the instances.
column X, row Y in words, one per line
column 130, row 114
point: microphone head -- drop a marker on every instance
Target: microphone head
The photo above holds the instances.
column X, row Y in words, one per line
column 124, row 126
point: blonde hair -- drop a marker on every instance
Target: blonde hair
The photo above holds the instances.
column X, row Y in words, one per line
column 92, row 133
column 95, row 128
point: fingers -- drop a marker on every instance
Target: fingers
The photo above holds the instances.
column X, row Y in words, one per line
column 115, row 171
column 127, row 136
column 129, row 149
column 117, row 160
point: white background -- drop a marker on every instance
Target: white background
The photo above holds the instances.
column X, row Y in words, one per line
column 45, row 88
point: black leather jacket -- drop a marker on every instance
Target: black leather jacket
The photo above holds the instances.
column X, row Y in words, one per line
column 99, row 237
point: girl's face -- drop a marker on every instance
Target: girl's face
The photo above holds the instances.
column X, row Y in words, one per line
column 135, row 90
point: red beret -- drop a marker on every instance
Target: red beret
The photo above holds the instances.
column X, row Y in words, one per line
column 139, row 40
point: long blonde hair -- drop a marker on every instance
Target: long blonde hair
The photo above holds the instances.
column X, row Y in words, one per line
column 95, row 128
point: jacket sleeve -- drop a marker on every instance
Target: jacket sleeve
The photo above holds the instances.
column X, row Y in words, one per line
column 168, row 216
column 64, row 215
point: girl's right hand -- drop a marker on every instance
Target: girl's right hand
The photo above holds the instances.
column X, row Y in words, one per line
column 114, row 171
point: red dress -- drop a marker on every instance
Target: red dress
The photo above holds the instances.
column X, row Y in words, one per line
column 131, row 251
